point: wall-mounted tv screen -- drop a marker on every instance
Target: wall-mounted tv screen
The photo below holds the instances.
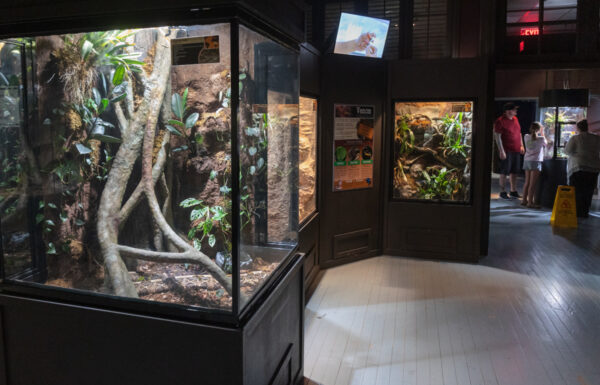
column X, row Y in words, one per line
column 361, row 35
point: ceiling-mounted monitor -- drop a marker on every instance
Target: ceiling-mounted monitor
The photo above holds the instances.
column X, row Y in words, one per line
column 361, row 35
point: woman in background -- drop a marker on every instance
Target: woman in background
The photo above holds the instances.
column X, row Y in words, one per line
column 583, row 166
column 535, row 143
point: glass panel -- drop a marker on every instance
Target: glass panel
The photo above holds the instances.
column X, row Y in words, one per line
column 16, row 239
column 560, row 3
column 523, row 16
column 567, row 118
column 512, row 5
column 548, row 119
column 308, row 158
column 432, row 151
column 566, row 132
column 129, row 186
column 268, row 137
column 561, row 14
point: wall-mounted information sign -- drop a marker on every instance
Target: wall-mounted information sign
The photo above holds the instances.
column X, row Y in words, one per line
column 353, row 147
column 195, row 50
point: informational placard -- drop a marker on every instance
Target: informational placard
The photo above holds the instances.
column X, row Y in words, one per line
column 195, row 50
column 353, row 147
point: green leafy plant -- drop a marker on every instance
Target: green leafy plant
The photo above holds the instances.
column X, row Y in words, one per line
column 213, row 222
column 404, row 136
column 91, row 111
column 94, row 68
column 454, row 137
column 12, row 171
column 68, row 171
column 183, row 123
column 206, row 220
column 107, row 48
column 439, row 184
column 563, row 116
column 452, row 128
column 83, row 56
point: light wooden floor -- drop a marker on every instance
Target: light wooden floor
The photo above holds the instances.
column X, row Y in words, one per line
column 527, row 314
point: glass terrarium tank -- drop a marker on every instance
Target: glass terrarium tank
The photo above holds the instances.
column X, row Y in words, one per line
column 128, row 171
column 432, row 150
column 560, row 125
column 307, row 197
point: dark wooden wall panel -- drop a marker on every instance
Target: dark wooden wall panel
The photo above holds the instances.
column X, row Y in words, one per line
column 352, row 244
column 50, row 343
column 310, row 70
column 56, row 344
column 457, row 232
column 308, row 243
column 350, row 80
column 277, row 332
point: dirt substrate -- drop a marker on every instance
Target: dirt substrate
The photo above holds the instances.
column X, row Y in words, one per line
column 184, row 284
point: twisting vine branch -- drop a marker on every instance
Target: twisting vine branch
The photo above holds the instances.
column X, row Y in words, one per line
column 117, row 276
column 140, row 137
column 157, row 170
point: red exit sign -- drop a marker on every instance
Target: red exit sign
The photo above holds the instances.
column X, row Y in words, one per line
column 530, row 31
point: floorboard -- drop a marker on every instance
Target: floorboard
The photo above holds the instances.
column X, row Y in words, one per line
column 529, row 313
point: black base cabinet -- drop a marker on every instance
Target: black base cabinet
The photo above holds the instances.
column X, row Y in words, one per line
column 554, row 174
column 50, row 343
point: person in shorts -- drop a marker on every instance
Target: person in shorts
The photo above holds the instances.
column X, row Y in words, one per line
column 507, row 133
column 535, row 144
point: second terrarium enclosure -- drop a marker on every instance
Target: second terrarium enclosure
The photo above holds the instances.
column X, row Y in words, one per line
column 126, row 164
column 432, row 150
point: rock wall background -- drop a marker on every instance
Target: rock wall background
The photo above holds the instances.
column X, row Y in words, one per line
column 281, row 187
column 307, row 200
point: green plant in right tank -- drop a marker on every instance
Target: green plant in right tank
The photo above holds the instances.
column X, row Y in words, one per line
column 439, row 184
column 454, row 144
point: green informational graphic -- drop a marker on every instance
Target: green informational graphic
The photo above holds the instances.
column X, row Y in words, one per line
column 340, row 154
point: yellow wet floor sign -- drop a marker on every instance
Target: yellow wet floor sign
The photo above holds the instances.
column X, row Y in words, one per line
column 564, row 213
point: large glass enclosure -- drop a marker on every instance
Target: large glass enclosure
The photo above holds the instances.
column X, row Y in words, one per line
column 308, row 158
column 559, row 126
column 120, row 180
column 432, row 151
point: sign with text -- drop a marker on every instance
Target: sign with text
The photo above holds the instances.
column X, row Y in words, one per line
column 530, row 31
column 354, row 126
column 195, row 50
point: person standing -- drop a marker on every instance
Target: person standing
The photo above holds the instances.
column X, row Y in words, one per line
column 583, row 165
column 535, row 143
column 507, row 133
